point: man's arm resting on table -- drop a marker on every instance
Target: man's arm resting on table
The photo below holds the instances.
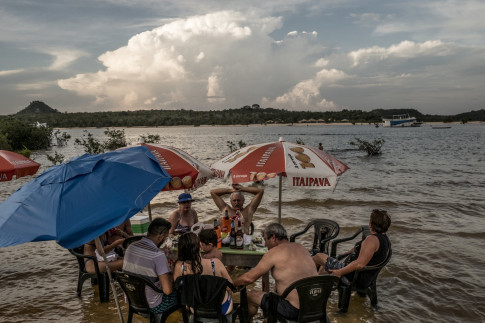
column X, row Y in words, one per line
column 263, row 267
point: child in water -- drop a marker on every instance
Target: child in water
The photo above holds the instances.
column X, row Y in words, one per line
column 208, row 244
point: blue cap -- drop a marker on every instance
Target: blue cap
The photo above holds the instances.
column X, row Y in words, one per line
column 185, row 197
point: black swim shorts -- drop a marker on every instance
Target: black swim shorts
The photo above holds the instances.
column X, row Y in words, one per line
column 284, row 308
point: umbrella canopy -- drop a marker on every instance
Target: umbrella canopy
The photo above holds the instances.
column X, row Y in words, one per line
column 76, row 202
column 15, row 164
column 187, row 172
column 305, row 167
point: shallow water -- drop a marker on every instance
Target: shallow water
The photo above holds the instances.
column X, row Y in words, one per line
column 430, row 180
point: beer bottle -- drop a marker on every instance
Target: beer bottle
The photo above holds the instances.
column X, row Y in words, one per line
column 239, row 237
column 232, row 236
column 218, row 232
column 226, row 223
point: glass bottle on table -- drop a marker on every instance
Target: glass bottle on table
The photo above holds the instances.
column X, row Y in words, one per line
column 217, row 228
column 232, row 236
column 226, row 224
column 239, row 236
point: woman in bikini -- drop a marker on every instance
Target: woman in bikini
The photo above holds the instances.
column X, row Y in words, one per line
column 91, row 250
column 184, row 217
column 190, row 262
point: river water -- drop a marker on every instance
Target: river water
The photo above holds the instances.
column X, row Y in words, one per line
column 430, row 180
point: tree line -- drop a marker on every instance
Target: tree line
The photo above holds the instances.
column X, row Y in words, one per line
column 39, row 112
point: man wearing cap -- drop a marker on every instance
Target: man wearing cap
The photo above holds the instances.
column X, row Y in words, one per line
column 237, row 202
column 184, row 217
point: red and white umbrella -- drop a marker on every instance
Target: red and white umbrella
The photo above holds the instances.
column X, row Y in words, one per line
column 304, row 166
column 187, row 172
column 15, row 164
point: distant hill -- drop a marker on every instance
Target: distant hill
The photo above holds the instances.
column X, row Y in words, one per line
column 37, row 107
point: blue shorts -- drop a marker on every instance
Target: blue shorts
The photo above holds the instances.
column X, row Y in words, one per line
column 333, row 264
column 284, row 308
column 168, row 301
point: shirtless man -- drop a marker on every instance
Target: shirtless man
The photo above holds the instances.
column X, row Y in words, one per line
column 288, row 262
column 237, row 202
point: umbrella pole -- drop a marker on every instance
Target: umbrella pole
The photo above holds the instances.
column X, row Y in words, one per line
column 279, row 200
column 115, row 295
column 149, row 212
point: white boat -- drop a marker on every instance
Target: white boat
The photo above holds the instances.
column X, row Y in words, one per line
column 401, row 120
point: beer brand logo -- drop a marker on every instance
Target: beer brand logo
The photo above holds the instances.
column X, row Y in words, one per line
column 310, row 181
column 315, row 291
column 218, row 173
column 161, row 160
column 265, row 157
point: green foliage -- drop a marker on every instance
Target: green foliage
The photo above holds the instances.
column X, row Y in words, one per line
column 61, row 139
column 116, row 139
column 232, row 146
column 56, row 159
column 4, row 145
column 299, row 141
column 37, row 107
column 150, row 139
column 372, row 148
column 247, row 114
column 20, row 134
column 91, row 145
column 24, row 152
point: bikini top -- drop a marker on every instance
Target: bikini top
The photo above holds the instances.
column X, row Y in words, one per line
column 212, row 264
column 183, row 228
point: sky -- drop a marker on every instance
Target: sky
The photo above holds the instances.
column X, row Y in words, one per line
column 328, row 55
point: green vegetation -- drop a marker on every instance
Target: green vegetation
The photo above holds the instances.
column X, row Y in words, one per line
column 56, row 159
column 116, row 139
column 232, row 146
column 150, row 139
column 18, row 135
column 249, row 114
column 372, row 148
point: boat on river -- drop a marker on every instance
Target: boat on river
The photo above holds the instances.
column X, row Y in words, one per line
column 401, row 120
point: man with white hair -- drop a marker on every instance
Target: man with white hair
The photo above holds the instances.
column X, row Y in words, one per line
column 237, row 202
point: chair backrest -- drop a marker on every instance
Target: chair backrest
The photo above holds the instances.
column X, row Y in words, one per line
column 77, row 252
column 134, row 287
column 324, row 231
column 364, row 231
column 313, row 293
column 129, row 240
column 367, row 276
column 203, row 293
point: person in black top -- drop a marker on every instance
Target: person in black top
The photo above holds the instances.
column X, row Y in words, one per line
column 373, row 250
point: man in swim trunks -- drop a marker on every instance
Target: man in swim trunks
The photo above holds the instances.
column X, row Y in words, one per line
column 288, row 262
column 237, row 202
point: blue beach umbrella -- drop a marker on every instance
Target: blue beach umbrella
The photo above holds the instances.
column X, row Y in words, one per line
column 77, row 201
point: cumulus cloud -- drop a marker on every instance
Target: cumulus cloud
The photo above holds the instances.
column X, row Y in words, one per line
column 228, row 59
column 205, row 61
column 307, row 94
column 405, row 49
column 64, row 57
